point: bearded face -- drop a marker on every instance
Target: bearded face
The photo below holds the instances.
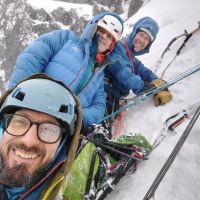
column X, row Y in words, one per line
column 24, row 158
column 18, row 175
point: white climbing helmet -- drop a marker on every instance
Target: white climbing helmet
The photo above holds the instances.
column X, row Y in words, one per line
column 112, row 25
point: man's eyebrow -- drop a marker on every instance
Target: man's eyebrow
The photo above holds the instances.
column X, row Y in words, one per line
column 55, row 121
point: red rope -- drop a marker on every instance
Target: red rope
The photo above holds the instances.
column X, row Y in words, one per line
column 119, row 119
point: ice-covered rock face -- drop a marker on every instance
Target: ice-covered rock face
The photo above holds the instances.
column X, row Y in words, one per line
column 20, row 23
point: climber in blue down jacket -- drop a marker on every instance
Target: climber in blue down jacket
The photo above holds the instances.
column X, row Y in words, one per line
column 79, row 62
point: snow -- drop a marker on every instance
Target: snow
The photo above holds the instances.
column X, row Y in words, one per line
column 182, row 179
column 50, row 5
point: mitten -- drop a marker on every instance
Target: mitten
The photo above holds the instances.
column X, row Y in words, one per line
column 162, row 97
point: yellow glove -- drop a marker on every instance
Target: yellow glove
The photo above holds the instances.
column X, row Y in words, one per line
column 163, row 96
column 158, row 82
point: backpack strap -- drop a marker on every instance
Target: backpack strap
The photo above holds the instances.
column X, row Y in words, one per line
column 128, row 51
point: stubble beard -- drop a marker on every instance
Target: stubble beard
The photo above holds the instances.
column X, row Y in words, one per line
column 18, row 175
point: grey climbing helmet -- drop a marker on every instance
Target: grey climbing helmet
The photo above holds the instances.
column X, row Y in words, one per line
column 42, row 94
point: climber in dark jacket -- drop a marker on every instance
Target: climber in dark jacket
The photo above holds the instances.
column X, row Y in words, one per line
column 129, row 73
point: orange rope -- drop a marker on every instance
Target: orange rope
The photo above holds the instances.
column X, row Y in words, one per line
column 119, row 118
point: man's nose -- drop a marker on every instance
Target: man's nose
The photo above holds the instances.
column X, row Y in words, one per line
column 31, row 138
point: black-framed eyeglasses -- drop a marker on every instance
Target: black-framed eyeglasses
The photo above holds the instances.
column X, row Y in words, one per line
column 18, row 125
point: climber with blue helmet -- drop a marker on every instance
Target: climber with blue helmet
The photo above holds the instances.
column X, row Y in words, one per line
column 39, row 130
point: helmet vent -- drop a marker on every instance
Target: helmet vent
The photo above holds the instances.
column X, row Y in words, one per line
column 104, row 21
column 20, row 96
column 116, row 30
column 63, row 109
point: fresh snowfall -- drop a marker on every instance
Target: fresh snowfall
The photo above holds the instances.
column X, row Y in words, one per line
column 182, row 180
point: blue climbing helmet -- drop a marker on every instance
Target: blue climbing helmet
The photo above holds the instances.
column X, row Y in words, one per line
column 43, row 94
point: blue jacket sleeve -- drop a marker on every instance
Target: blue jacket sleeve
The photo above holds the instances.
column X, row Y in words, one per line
column 129, row 81
column 146, row 74
column 95, row 112
column 37, row 55
column 136, row 81
column 125, row 80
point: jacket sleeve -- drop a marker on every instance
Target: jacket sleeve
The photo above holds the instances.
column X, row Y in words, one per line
column 95, row 112
column 141, row 76
column 37, row 55
column 123, row 78
column 146, row 74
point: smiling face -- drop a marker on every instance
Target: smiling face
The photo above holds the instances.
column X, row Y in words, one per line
column 105, row 40
column 140, row 41
column 27, row 154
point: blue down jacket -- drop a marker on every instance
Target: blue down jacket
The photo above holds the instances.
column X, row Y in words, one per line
column 64, row 56
column 120, row 73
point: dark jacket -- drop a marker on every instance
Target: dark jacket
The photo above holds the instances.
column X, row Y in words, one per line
column 121, row 75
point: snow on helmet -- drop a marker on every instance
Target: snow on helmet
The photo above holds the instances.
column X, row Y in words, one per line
column 112, row 25
column 43, row 95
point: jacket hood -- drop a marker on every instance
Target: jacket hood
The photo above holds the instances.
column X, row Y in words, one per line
column 91, row 26
column 88, row 36
column 145, row 22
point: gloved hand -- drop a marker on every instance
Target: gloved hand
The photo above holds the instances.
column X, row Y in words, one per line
column 163, row 96
column 147, row 87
